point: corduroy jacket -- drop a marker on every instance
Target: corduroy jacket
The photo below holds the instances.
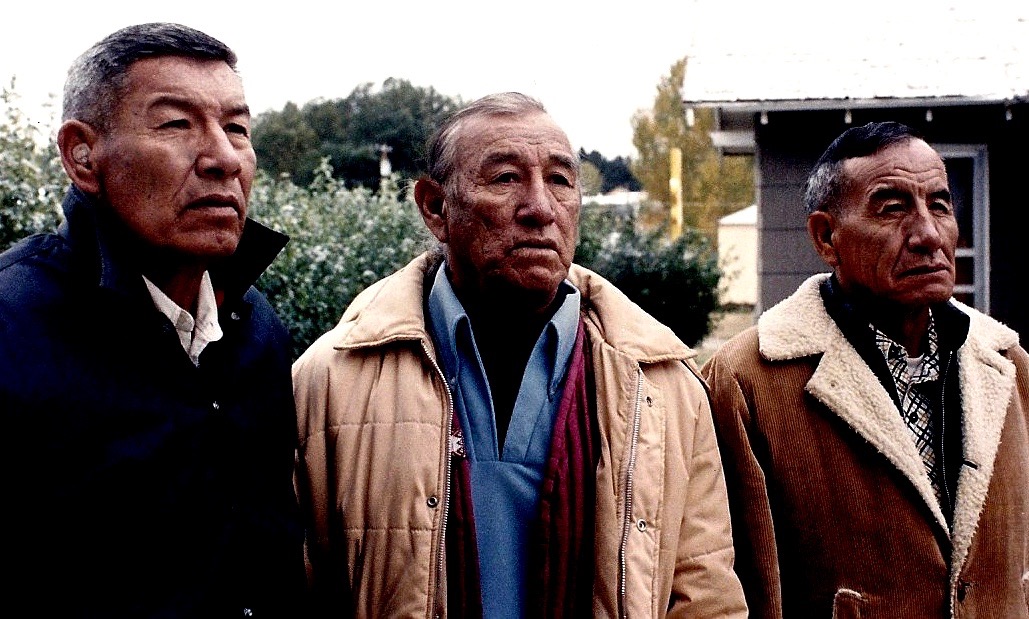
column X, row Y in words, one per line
column 833, row 513
column 374, row 417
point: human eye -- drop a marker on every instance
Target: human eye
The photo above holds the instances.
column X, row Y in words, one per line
column 174, row 123
column 238, row 129
column 892, row 206
column 562, row 179
column 941, row 204
column 503, row 178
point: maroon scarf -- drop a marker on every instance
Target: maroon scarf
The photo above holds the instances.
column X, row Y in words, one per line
column 560, row 572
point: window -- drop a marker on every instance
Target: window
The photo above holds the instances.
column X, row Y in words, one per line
column 967, row 173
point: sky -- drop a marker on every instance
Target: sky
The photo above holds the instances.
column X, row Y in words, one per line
column 592, row 64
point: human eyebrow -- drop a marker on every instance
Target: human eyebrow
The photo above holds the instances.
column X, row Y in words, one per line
column 183, row 104
column 501, row 158
column 943, row 195
column 886, row 194
column 564, row 161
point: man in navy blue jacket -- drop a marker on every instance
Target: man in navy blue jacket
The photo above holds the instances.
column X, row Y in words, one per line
column 145, row 394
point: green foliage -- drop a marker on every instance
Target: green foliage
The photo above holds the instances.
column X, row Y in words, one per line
column 32, row 181
column 344, row 239
column 341, row 241
column 349, row 133
column 712, row 185
column 615, row 173
column 590, row 179
column 676, row 281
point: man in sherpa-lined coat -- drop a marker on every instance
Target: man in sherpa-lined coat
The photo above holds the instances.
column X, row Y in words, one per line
column 874, row 430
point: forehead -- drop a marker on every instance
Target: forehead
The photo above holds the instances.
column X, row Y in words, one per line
column 911, row 162
column 533, row 136
column 194, row 79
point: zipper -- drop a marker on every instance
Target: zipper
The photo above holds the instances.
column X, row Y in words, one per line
column 627, row 521
column 944, row 483
column 445, row 499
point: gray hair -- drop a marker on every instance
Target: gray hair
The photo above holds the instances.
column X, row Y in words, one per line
column 97, row 78
column 827, row 181
column 442, row 146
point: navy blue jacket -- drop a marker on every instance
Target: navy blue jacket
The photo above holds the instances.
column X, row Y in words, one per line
column 136, row 484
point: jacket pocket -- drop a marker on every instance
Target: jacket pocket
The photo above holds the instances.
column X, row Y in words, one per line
column 846, row 604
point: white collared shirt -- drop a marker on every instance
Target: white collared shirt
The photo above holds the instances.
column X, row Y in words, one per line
column 194, row 334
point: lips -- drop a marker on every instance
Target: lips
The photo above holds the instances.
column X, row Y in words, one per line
column 928, row 269
column 536, row 244
column 216, row 200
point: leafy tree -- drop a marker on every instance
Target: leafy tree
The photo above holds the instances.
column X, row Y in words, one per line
column 343, row 239
column 351, row 133
column 285, row 142
column 32, row 182
column 615, row 173
column 590, row 179
column 712, row 186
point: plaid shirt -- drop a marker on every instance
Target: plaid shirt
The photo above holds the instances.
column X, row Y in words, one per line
column 915, row 406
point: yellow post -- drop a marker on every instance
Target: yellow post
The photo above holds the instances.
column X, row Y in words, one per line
column 675, row 190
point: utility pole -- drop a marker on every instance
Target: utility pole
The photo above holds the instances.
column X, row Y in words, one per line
column 675, row 190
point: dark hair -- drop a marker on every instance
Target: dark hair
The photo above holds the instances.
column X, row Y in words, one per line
column 827, row 182
column 97, row 78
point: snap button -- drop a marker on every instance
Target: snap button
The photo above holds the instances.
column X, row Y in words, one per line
column 215, row 405
column 234, row 315
column 432, row 502
column 641, row 524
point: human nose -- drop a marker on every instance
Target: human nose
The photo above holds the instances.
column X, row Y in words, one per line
column 218, row 156
column 924, row 229
column 537, row 203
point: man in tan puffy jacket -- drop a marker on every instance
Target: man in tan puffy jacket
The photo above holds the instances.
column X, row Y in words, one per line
column 495, row 432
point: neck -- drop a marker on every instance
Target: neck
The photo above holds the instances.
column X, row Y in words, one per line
column 907, row 327
column 182, row 285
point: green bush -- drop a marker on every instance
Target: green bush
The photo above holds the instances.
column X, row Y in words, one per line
column 32, row 181
column 676, row 281
column 343, row 240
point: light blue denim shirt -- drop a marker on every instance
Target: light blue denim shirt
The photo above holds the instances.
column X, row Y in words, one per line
column 505, row 487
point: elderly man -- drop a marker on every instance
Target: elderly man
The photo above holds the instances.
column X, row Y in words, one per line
column 874, row 430
column 495, row 432
column 145, row 385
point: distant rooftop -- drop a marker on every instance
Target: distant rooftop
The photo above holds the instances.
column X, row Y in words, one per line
column 793, row 50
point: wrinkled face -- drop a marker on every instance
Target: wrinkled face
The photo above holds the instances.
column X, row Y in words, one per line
column 177, row 163
column 896, row 234
column 512, row 208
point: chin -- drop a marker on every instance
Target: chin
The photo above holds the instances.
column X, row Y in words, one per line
column 213, row 248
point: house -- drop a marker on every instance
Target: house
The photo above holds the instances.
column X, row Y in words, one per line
column 737, row 257
column 958, row 74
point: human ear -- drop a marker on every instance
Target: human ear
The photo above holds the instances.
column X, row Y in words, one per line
column 431, row 200
column 75, row 142
column 820, row 228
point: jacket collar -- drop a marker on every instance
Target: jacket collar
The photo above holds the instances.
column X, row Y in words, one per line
column 393, row 309
column 800, row 327
column 95, row 232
